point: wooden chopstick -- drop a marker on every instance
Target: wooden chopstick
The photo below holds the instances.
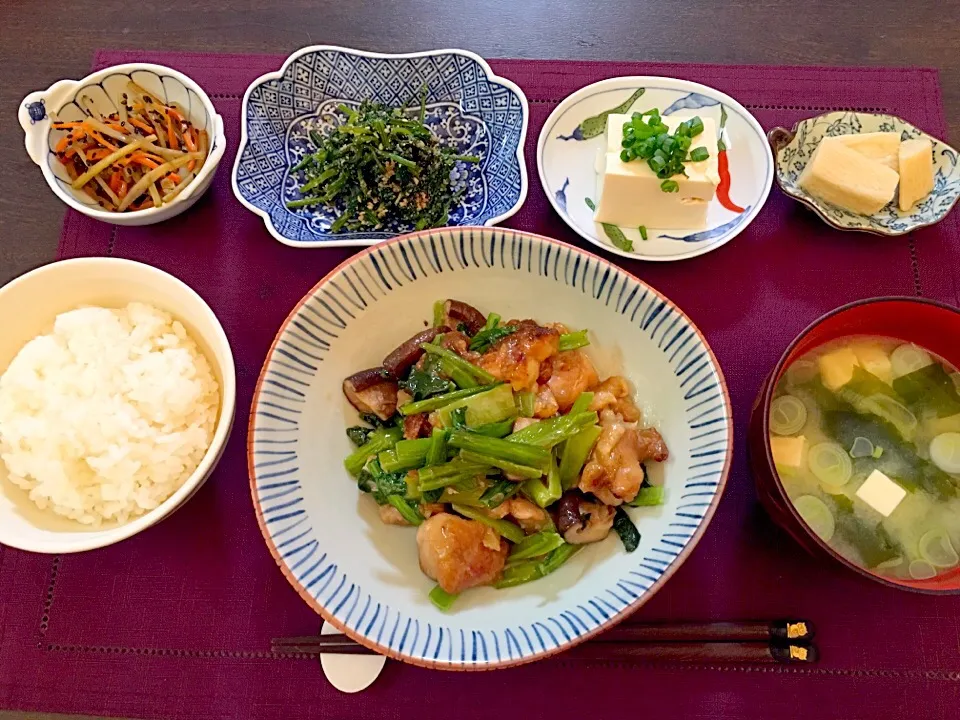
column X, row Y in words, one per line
column 727, row 642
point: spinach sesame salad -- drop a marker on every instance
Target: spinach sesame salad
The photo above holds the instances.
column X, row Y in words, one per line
column 500, row 442
column 379, row 167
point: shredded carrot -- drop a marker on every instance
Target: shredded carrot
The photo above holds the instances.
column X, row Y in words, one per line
column 142, row 159
column 174, row 177
column 171, row 135
column 64, row 125
column 140, row 124
column 175, row 113
column 122, row 189
column 115, row 181
column 103, row 141
column 118, row 127
column 191, row 143
column 62, row 145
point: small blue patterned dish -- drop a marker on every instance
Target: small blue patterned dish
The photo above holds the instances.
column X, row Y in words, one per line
column 363, row 576
column 468, row 107
column 794, row 148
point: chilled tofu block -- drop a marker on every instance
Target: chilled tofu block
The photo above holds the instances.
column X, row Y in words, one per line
column 881, row 493
column 788, row 452
column 836, row 368
column 876, row 361
column 847, row 179
column 629, row 192
column 916, row 171
column 883, row 147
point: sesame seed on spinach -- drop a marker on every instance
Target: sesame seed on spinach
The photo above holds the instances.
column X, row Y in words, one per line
column 380, row 166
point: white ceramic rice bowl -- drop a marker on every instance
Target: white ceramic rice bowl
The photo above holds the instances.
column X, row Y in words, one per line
column 29, row 305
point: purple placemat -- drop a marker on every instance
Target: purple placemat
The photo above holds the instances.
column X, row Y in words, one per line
column 177, row 622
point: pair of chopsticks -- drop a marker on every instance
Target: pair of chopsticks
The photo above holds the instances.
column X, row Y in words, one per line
column 777, row 641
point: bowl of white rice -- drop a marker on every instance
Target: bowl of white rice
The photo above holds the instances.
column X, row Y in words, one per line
column 117, row 394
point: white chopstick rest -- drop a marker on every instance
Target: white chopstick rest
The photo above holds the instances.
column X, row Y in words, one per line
column 350, row 673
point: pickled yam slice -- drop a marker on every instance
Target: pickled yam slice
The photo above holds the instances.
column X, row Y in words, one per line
column 945, row 452
column 788, row 415
column 816, row 515
column 831, row 465
column 936, row 548
column 909, row 358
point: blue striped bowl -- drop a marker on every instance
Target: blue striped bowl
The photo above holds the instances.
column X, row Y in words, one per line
column 363, row 576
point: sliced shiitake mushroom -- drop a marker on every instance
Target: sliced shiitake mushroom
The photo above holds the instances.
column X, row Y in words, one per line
column 372, row 391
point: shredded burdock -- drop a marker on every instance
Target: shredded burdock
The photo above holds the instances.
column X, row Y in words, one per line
column 139, row 157
column 380, row 167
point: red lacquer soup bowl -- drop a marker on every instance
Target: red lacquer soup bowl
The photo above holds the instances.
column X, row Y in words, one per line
column 929, row 324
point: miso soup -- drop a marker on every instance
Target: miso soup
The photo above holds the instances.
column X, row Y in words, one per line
column 865, row 434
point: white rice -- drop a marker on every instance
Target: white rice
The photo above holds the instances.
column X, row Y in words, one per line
column 106, row 417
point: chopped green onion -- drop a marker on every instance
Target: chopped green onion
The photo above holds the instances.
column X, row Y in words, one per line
column 590, row 204
column 643, row 232
column 699, row 154
column 670, row 186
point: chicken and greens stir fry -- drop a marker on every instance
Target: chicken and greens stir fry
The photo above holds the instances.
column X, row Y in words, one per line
column 502, row 444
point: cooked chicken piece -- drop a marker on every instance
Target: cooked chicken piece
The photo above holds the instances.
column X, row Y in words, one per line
column 614, row 393
column 568, row 374
column 522, row 422
column 582, row 521
column 529, row 516
column 369, row 391
column 428, row 510
column 613, row 472
column 460, row 554
column 545, row 404
column 516, row 358
column 416, row 426
column 389, row 515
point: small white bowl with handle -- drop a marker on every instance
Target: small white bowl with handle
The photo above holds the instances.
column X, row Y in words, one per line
column 29, row 305
column 99, row 93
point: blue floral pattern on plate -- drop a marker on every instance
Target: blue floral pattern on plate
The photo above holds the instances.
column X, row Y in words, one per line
column 795, row 152
column 468, row 108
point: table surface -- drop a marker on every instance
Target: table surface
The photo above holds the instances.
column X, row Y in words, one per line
column 42, row 45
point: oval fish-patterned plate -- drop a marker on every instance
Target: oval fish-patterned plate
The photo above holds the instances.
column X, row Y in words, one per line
column 795, row 147
column 575, row 135
column 363, row 576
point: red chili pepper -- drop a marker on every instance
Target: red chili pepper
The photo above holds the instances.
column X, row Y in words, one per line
column 723, row 189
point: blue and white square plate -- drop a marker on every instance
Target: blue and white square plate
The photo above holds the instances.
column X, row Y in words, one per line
column 795, row 147
column 574, row 136
column 468, row 107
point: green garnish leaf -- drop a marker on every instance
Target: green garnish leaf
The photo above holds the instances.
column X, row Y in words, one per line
column 643, row 232
column 699, row 154
column 617, row 237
